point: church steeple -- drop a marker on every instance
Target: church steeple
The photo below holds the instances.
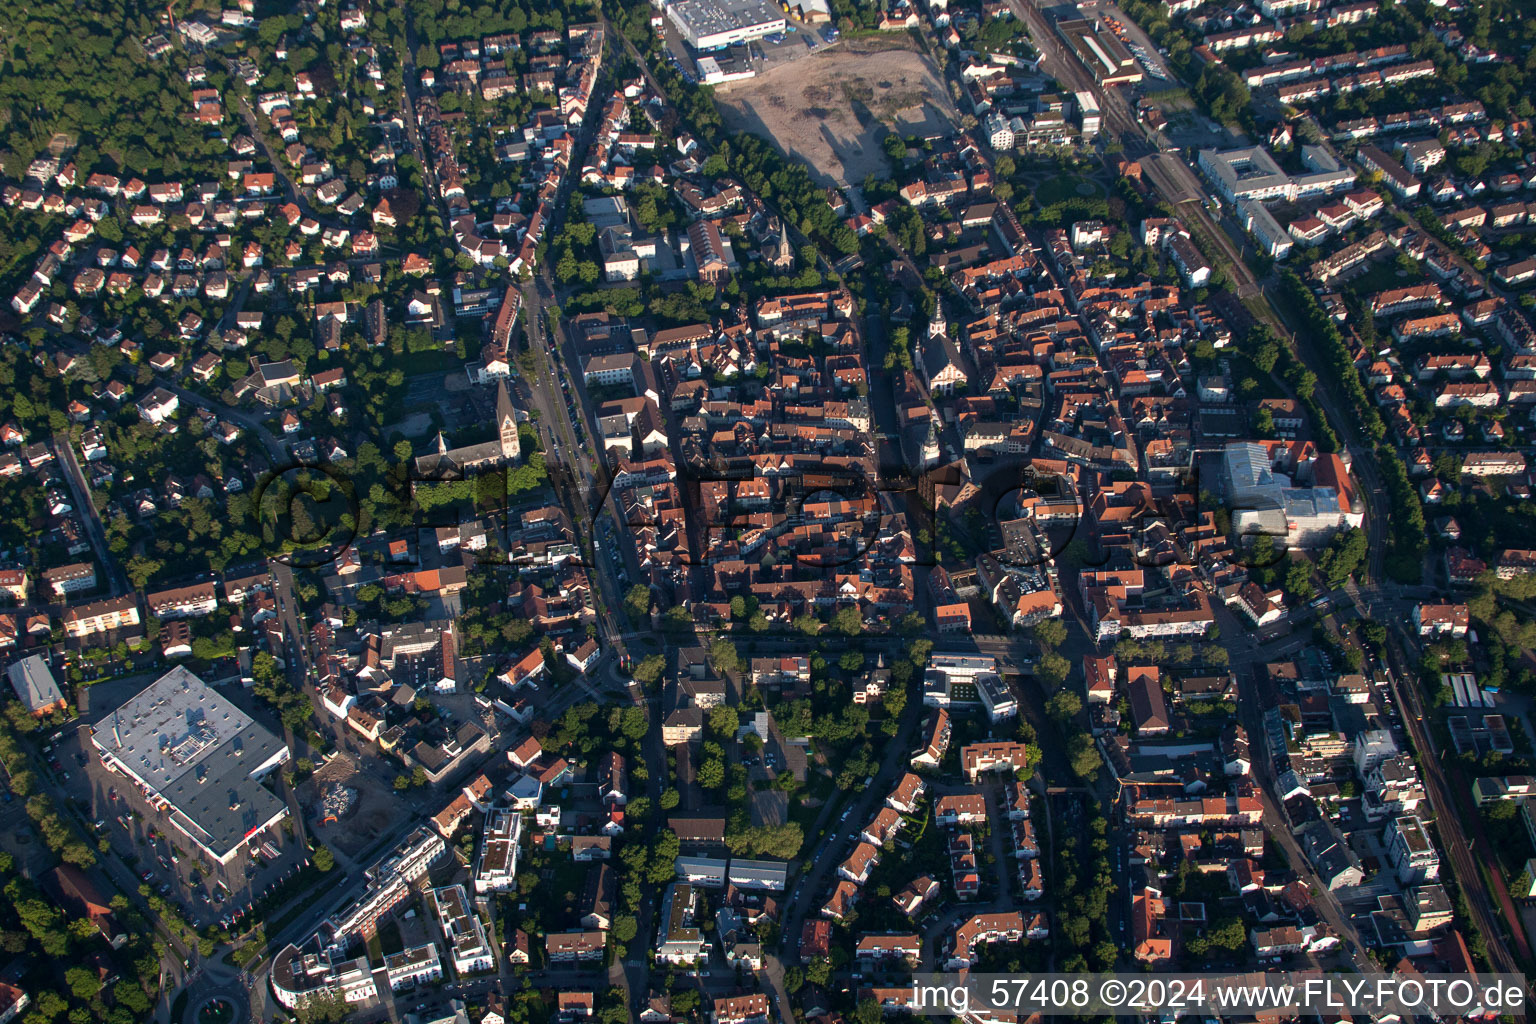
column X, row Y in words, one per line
column 506, row 423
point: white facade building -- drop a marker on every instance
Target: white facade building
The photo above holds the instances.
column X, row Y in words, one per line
column 411, row 967
column 716, row 24
column 464, row 931
column 496, row 868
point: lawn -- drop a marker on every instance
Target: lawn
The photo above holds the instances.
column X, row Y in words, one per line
column 1059, row 189
column 1383, row 274
column 430, row 361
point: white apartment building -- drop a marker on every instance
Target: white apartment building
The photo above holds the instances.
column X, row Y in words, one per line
column 297, row 976
column 1410, row 851
column 496, row 868
column 967, row 680
column 462, row 927
column 389, row 883
column 411, row 967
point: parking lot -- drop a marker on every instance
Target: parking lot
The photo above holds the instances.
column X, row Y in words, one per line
column 799, row 40
column 1142, row 48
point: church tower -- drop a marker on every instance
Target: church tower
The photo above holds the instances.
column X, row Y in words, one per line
column 938, row 327
column 506, row 423
column 785, row 256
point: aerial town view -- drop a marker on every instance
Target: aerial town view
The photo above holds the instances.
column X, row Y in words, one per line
column 714, row 511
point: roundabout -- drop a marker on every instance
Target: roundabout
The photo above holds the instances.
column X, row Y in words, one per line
column 216, row 1011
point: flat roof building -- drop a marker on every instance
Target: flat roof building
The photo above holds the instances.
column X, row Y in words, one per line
column 1264, row 501
column 389, row 883
column 1410, row 851
column 198, row 757
column 703, row 871
column 679, row 940
column 496, row 870
column 411, row 967
column 759, row 874
column 1251, row 173
column 299, row 975
column 716, row 24
column 958, row 680
column 463, row 929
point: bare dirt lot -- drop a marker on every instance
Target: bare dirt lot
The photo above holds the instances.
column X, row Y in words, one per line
column 377, row 805
column 834, row 108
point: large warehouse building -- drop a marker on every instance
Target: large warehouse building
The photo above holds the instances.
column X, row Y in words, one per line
column 1251, row 173
column 1263, row 501
column 716, row 24
column 197, row 757
column 1101, row 52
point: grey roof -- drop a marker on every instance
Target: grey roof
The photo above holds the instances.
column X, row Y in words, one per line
column 183, row 740
column 710, row 17
column 708, row 867
column 767, row 873
column 33, row 682
column 938, row 353
column 1306, row 502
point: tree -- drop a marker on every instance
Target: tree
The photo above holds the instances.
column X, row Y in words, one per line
column 1084, row 756
column 895, row 147
column 918, row 652
column 49, row 1005
column 663, row 857
column 402, row 783
column 712, row 773
column 723, row 721
column 323, row 1007
column 83, row 982
column 1063, row 705
column 1050, row 633
column 868, row 1011
column 848, row 621
column 1053, row 669
column 625, row 928
column 723, row 656
column 649, row 668
column 637, row 602
column 632, row 723
column 678, row 619
column 1298, row 579
column 130, row 995
column 141, row 570
column 324, row 859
